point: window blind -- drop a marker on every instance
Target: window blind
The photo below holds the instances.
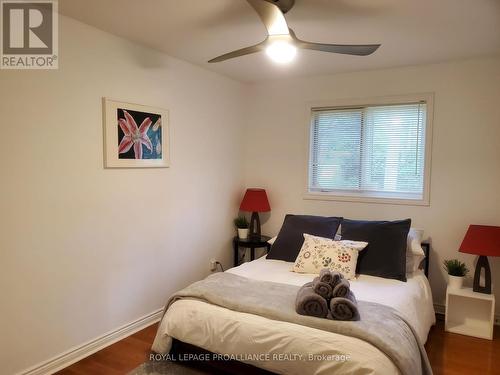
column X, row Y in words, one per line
column 378, row 151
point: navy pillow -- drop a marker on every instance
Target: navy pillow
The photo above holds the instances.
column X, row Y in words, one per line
column 291, row 236
column 385, row 255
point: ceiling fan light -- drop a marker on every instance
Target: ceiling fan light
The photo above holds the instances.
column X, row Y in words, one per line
column 281, row 51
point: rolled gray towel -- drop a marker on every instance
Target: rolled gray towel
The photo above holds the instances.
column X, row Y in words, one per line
column 309, row 303
column 325, row 276
column 342, row 289
column 321, row 288
column 330, row 277
column 344, row 308
column 336, row 278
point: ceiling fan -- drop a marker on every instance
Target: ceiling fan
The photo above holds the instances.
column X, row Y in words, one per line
column 281, row 43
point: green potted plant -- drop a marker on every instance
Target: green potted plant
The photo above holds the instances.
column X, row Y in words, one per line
column 241, row 224
column 456, row 272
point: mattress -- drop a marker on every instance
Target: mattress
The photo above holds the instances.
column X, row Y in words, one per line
column 288, row 348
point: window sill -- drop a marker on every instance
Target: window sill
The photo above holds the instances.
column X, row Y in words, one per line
column 359, row 198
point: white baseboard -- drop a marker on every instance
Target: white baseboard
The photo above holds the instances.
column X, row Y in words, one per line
column 441, row 309
column 90, row 347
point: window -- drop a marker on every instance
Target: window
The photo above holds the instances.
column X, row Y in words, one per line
column 376, row 152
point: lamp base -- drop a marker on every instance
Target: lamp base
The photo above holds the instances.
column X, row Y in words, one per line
column 482, row 262
column 254, row 225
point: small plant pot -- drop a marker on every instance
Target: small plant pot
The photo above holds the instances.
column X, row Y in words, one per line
column 242, row 233
column 455, row 282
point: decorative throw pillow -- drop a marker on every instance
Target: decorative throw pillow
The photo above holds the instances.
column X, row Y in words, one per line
column 385, row 256
column 291, row 236
column 318, row 253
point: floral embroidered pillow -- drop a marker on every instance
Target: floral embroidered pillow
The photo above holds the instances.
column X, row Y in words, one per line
column 318, row 252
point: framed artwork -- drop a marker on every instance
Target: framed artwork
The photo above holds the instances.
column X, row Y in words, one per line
column 135, row 136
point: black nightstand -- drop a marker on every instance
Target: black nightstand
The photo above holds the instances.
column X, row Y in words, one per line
column 249, row 243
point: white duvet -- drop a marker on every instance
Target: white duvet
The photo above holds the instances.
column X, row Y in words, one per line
column 288, row 348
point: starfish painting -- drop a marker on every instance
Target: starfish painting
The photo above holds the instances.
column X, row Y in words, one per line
column 134, row 135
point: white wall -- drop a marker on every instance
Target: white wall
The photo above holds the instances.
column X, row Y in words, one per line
column 84, row 250
column 465, row 183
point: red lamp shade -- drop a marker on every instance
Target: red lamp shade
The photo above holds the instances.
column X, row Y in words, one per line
column 255, row 200
column 481, row 240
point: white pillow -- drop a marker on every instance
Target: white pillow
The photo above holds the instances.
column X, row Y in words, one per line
column 414, row 252
column 414, row 241
column 413, row 262
column 319, row 252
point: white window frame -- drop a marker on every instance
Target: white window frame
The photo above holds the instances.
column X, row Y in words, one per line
column 373, row 197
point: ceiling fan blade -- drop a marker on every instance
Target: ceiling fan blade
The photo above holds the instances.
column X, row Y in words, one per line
column 271, row 15
column 345, row 49
column 240, row 52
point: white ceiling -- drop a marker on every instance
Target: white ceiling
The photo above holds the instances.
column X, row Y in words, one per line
column 411, row 31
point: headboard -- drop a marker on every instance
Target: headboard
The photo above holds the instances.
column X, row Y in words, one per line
column 426, row 246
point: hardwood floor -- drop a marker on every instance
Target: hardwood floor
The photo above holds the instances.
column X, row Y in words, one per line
column 117, row 359
column 449, row 354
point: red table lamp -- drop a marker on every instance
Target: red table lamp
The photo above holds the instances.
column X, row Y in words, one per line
column 482, row 240
column 254, row 201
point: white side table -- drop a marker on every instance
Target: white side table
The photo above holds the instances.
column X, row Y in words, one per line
column 470, row 313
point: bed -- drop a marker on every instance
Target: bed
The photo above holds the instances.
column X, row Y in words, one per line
column 199, row 327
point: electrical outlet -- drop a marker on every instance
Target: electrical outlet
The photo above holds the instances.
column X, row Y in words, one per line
column 213, row 264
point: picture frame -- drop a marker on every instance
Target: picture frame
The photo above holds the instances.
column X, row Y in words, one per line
column 135, row 135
